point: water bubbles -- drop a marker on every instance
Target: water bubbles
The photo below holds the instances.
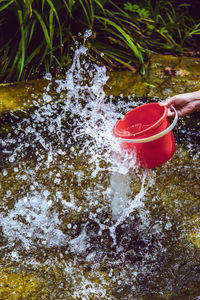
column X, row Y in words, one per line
column 39, row 222
column 48, row 76
column 168, row 225
column 11, row 159
column 14, row 255
column 87, row 34
column 79, row 244
column 47, row 98
column 5, row 172
column 8, row 193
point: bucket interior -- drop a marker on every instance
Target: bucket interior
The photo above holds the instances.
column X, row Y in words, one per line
column 140, row 120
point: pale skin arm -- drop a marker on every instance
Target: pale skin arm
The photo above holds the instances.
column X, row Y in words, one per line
column 185, row 104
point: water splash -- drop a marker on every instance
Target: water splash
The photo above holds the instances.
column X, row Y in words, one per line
column 58, row 134
column 32, row 223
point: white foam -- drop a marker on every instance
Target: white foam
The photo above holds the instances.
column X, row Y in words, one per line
column 31, row 222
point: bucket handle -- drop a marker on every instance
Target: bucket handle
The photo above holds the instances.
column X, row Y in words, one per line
column 156, row 136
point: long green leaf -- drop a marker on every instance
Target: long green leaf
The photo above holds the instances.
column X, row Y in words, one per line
column 51, row 28
column 5, row 5
column 92, row 14
column 104, row 47
column 115, row 57
column 51, row 31
column 5, row 59
column 44, row 28
column 45, row 53
column 14, row 65
column 86, row 13
column 31, row 31
column 54, row 10
column 43, row 3
column 58, row 20
column 130, row 43
column 69, row 6
column 23, row 47
column 100, row 5
column 34, row 53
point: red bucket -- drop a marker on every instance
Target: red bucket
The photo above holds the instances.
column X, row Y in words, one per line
column 147, row 130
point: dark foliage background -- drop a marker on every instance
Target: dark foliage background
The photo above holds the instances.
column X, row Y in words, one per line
column 38, row 36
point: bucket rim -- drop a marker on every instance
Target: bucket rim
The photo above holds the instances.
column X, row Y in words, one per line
column 139, row 133
column 156, row 136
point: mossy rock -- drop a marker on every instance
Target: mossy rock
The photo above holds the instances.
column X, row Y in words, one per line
column 155, row 83
column 18, row 285
column 194, row 230
column 23, row 95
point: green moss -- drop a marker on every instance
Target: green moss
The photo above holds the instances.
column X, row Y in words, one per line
column 194, row 230
column 157, row 82
column 20, row 95
column 17, row 286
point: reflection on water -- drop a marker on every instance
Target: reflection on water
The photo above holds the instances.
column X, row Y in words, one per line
column 78, row 219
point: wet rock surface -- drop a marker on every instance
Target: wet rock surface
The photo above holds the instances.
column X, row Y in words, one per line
column 78, row 218
column 165, row 76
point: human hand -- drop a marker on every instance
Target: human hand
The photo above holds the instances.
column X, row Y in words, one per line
column 185, row 104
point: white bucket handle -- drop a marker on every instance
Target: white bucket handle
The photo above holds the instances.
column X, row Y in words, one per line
column 156, row 136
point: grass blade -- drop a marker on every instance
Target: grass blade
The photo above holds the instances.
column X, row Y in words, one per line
column 34, row 53
column 86, row 13
column 44, row 28
column 31, row 31
column 51, row 32
column 68, row 8
column 130, row 43
column 5, row 5
column 22, row 43
column 58, row 20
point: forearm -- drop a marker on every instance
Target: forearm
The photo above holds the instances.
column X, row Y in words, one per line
column 195, row 97
column 184, row 103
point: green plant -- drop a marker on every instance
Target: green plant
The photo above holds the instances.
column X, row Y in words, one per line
column 36, row 36
column 23, row 45
column 172, row 23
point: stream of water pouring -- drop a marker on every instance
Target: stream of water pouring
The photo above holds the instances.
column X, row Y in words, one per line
column 88, row 137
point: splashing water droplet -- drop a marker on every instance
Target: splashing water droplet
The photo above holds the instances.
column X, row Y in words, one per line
column 62, row 136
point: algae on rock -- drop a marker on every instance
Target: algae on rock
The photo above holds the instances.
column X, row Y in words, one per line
column 18, row 285
column 156, row 83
